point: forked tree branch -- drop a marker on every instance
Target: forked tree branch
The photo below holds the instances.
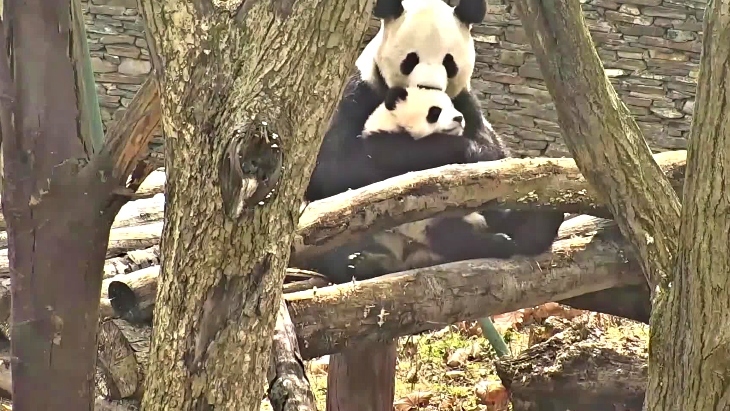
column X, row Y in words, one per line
column 603, row 138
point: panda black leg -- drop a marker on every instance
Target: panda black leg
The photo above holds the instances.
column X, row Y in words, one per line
column 455, row 239
column 360, row 261
column 533, row 232
column 508, row 233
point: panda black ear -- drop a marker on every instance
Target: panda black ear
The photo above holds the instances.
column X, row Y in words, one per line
column 471, row 11
column 388, row 9
column 393, row 96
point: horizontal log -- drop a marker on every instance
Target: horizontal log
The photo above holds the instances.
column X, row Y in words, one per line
column 580, row 368
column 631, row 301
column 122, row 240
column 324, row 224
column 554, row 183
column 129, row 269
column 414, row 301
column 152, row 185
column 419, row 300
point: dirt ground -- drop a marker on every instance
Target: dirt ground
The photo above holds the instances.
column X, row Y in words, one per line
column 451, row 369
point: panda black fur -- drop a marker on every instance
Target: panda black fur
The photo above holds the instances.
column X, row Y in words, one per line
column 445, row 61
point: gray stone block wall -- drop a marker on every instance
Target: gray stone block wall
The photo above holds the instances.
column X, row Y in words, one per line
column 650, row 50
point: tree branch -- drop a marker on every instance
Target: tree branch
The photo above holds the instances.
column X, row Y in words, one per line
column 430, row 298
column 289, row 388
column 128, row 138
column 601, row 133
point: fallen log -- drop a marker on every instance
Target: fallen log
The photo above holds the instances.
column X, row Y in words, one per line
column 414, row 301
column 130, row 296
column 289, row 388
column 123, row 357
column 128, row 268
column 141, row 211
column 433, row 297
column 122, row 240
column 134, row 260
column 581, row 368
column 455, row 189
column 630, row 301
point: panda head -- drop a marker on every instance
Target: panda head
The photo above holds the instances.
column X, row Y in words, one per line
column 416, row 111
column 423, row 43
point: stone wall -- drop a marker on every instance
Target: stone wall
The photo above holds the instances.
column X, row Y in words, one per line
column 118, row 49
column 650, row 49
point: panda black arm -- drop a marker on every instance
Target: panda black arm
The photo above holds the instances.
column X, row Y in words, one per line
column 488, row 145
column 397, row 153
column 341, row 163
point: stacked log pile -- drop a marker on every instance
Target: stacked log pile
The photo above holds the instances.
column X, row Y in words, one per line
column 588, row 263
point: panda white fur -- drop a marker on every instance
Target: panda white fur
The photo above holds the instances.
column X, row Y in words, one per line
column 423, row 44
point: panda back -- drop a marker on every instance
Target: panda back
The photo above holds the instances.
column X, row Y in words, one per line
column 341, row 163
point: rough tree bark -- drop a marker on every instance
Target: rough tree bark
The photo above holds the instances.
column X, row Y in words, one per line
column 224, row 68
column 689, row 340
column 690, row 350
column 602, row 136
column 62, row 181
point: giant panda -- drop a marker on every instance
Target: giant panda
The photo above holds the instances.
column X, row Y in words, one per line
column 421, row 43
column 426, row 45
column 416, row 129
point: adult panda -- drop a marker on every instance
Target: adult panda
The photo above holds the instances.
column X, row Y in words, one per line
column 424, row 44
column 421, row 43
column 416, row 129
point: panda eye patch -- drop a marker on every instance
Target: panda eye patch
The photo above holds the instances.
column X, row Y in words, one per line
column 450, row 65
column 409, row 63
column 433, row 114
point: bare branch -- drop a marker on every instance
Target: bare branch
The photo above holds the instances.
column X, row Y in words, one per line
column 289, row 388
column 127, row 139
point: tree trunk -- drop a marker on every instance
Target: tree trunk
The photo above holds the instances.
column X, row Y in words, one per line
column 362, row 378
column 61, row 182
column 690, row 343
column 602, row 136
column 224, row 69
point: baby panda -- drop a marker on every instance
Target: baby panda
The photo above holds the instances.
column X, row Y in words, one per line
column 416, row 129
